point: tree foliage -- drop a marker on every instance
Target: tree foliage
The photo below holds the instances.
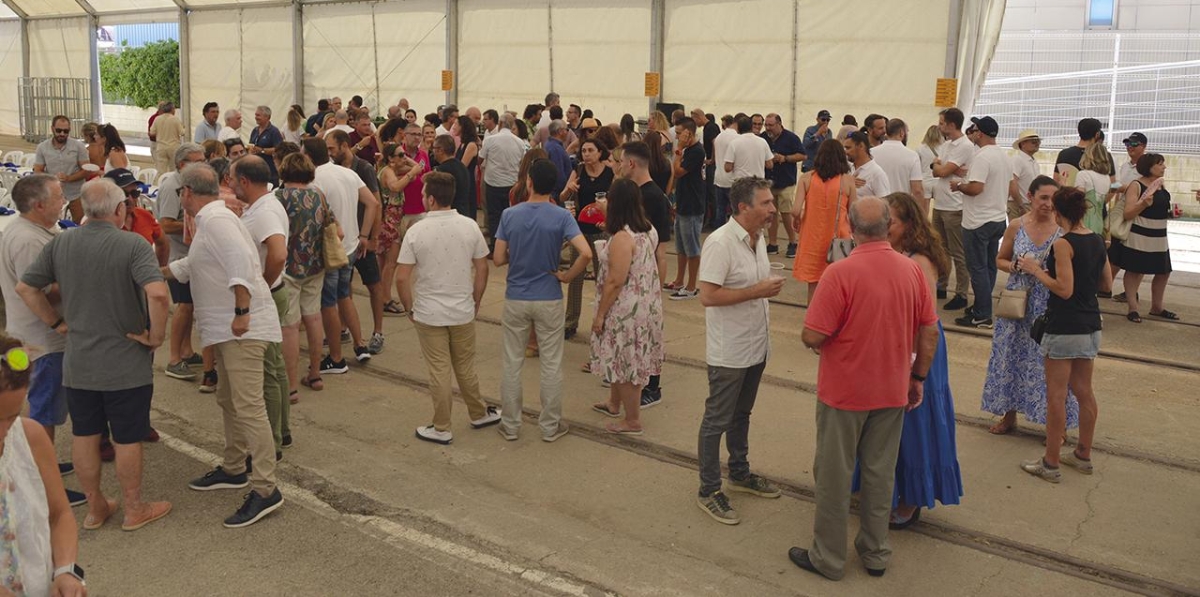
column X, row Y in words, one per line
column 144, row 76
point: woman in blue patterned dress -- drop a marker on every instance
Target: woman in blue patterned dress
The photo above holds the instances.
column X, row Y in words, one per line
column 1016, row 376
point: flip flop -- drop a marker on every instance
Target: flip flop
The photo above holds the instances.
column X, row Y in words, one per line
column 393, row 308
column 90, row 523
column 294, row 397
column 1005, row 430
column 313, row 383
column 1134, row 317
column 586, row 368
column 602, row 408
column 615, row 429
column 157, row 511
column 1165, row 314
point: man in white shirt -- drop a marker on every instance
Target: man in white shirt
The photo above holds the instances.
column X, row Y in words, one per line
column 235, row 315
column 951, row 166
column 232, row 128
column 267, row 221
column 735, row 285
column 722, row 179
column 985, row 205
column 869, row 178
column 442, row 302
column 341, row 122
column 491, row 123
column 449, row 116
column 901, row 164
column 748, row 154
column 552, row 99
column 1135, row 146
column 1025, row 169
column 501, row 154
column 344, row 191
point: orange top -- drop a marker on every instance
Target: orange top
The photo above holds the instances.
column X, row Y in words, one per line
column 821, row 203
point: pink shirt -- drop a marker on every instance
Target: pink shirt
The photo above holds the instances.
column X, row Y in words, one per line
column 871, row 305
column 413, row 193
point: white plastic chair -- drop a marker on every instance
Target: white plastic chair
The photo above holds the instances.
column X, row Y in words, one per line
column 5, row 199
column 134, row 170
column 8, row 179
column 147, row 175
column 27, row 160
column 13, row 157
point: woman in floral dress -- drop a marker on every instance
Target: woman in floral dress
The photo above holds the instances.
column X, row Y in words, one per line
column 1016, row 375
column 627, row 331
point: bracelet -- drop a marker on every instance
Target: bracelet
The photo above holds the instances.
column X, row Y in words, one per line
column 54, row 326
column 914, row 375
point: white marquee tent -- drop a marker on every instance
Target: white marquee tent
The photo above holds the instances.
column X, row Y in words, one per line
column 793, row 57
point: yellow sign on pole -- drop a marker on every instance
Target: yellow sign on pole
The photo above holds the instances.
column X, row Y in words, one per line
column 946, row 95
column 653, row 84
column 447, row 80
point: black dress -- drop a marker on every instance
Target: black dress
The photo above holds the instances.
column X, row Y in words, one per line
column 471, row 169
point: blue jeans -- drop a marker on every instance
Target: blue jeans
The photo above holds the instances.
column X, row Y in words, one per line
column 980, row 247
column 721, row 210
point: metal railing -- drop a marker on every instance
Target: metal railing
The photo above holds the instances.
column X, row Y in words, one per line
column 1131, row 81
column 43, row 98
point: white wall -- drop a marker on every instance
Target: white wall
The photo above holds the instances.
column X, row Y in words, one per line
column 10, row 71
column 1071, row 15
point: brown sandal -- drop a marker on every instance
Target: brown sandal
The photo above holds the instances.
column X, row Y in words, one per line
column 155, row 511
column 91, row 523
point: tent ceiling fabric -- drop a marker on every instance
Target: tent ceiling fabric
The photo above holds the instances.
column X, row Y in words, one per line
column 103, row 6
column 601, row 54
column 48, row 8
column 503, row 53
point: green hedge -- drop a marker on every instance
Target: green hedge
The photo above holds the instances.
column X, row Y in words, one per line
column 144, row 76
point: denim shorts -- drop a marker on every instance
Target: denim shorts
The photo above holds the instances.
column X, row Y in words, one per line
column 1071, row 346
column 337, row 285
column 687, row 235
column 47, row 398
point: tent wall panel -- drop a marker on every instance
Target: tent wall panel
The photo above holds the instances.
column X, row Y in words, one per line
column 848, row 69
column 60, row 48
column 10, row 66
column 601, row 52
column 727, row 57
column 503, row 53
column 339, row 53
column 214, row 60
column 412, row 54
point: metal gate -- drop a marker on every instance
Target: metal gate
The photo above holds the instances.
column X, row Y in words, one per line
column 43, row 98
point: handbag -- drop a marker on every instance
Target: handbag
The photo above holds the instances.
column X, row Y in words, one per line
column 1037, row 329
column 839, row 248
column 1118, row 226
column 1012, row 303
column 335, row 257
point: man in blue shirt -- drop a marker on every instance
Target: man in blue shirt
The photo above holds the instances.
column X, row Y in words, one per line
column 814, row 136
column 786, row 152
column 265, row 138
column 529, row 240
column 556, row 150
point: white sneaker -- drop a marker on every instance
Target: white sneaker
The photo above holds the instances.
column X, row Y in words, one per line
column 431, row 434
column 684, row 294
column 490, row 418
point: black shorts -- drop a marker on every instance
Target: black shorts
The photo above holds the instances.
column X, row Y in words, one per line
column 127, row 412
column 368, row 268
column 181, row 294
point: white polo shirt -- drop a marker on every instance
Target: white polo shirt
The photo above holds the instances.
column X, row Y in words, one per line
column 263, row 219
column 749, row 154
column 960, row 152
column 340, row 186
column 721, row 143
column 992, row 167
column 876, row 180
column 1025, row 169
column 443, row 246
column 222, row 256
column 736, row 335
column 901, row 164
column 502, row 153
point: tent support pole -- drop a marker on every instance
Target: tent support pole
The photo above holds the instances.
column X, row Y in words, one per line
column 952, row 37
column 298, row 53
column 94, row 66
column 657, row 27
column 795, row 57
column 452, row 50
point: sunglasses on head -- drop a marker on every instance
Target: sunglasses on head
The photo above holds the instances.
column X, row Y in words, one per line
column 16, row 358
column 63, row 131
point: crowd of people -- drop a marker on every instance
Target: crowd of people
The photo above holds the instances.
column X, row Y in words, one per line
column 251, row 239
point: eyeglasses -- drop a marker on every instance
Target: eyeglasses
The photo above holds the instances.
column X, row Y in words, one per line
column 63, row 131
column 16, row 358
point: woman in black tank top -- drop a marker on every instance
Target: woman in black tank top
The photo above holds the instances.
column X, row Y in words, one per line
column 1076, row 270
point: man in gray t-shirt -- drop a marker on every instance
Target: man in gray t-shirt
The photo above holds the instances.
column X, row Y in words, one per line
column 64, row 157
column 169, row 212
column 114, row 313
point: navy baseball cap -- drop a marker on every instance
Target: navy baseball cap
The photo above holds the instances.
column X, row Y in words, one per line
column 121, row 176
column 1134, row 139
column 824, row 115
column 987, row 125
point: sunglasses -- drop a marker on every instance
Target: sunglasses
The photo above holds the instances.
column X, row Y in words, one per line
column 16, row 359
column 63, row 131
column 1132, row 144
column 133, row 193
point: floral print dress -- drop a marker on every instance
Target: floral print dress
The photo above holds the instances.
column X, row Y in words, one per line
column 630, row 349
column 26, row 563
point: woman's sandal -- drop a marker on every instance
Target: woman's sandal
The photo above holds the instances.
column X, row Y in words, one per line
column 91, row 524
column 1134, row 317
column 602, row 408
column 393, row 308
column 1001, row 429
column 672, row 286
column 618, row 429
column 586, row 368
column 1165, row 314
column 900, row 525
column 313, row 383
column 294, row 397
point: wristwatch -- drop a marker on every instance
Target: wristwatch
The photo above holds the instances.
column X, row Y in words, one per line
column 240, row 311
column 73, row 569
column 914, row 375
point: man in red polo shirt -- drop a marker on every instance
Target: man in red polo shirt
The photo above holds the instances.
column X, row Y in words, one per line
column 871, row 312
column 138, row 219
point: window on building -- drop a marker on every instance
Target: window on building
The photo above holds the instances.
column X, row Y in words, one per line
column 1101, row 13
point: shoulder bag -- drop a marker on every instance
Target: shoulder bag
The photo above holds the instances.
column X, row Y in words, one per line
column 839, row 248
column 335, row 257
column 1014, row 303
column 1118, row 226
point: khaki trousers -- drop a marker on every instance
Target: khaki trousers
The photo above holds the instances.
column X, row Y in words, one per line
column 446, row 347
column 275, row 393
column 949, row 225
column 240, row 396
column 575, row 288
column 547, row 318
column 872, row 439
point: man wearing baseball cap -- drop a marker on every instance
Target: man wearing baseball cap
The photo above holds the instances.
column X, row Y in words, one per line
column 1135, row 146
column 138, row 219
column 1025, row 169
column 985, row 201
column 814, row 136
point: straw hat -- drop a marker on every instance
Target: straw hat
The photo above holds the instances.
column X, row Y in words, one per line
column 1025, row 135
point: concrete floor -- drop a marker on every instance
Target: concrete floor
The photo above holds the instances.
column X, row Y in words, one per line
column 373, row 511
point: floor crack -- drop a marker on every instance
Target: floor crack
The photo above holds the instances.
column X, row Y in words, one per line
column 1087, row 499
